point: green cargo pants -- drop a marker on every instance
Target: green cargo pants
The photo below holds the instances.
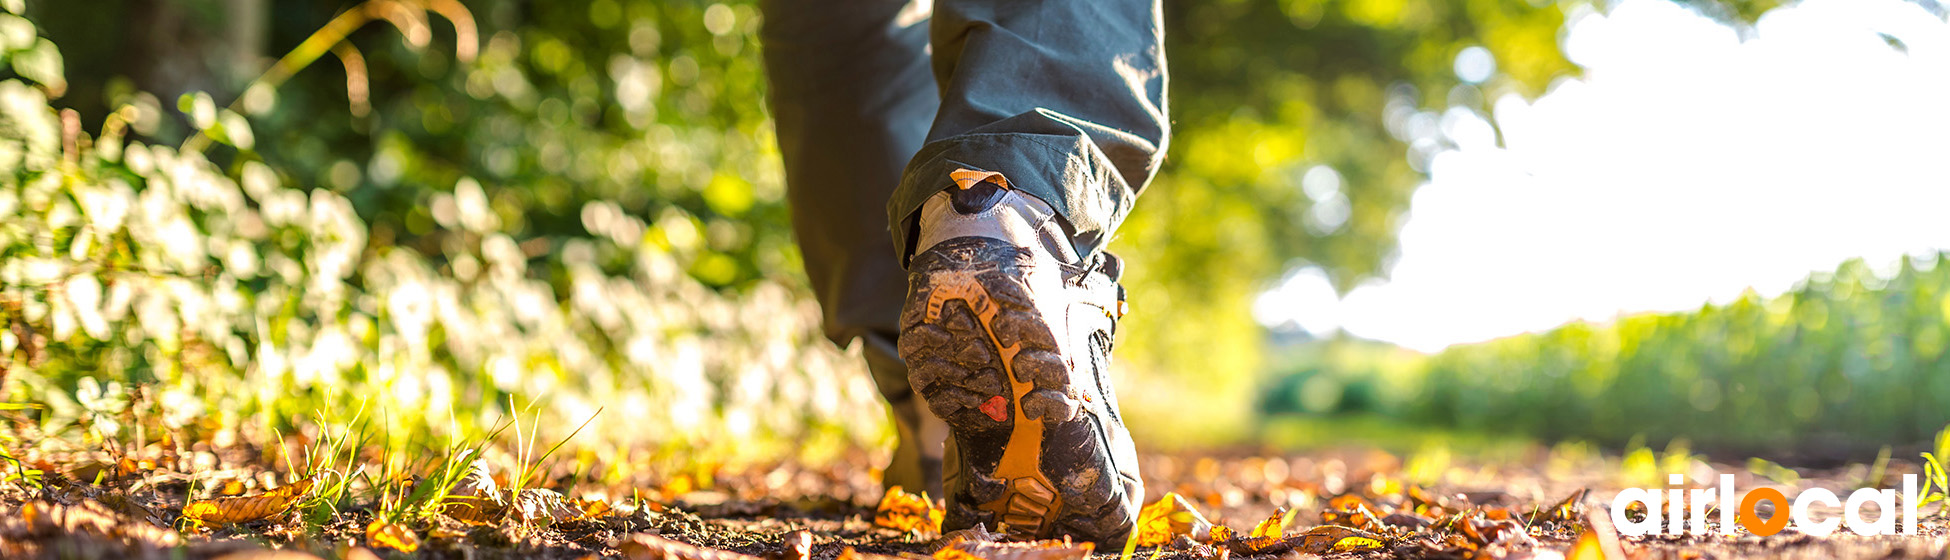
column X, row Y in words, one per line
column 876, row 101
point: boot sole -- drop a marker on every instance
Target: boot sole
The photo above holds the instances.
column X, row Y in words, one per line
column 1034, row 462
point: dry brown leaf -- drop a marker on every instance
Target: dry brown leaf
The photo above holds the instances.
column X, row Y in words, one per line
column 1327, row 539
column 592, row 508
column 41, row 519
column 393, row 536
column 1419, row 497
column 907, row 513
column 476, row 499
column 247, row 508
column 544, row 506
column 1034, row 550
column 1359, row 517
column 644, row 546
column 1566, row 511
column 796, row 545
column 1251, row 546
column 1486, row 531
column 978, row 533
column 1168, row 518
column 1346, row 502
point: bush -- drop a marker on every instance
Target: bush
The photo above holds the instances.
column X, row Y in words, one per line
column 1846, row 362
column 142, row 282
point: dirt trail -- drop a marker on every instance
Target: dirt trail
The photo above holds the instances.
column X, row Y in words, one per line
column 1464, row 511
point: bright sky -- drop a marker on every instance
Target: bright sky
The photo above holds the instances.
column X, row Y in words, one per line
column 1685, row 166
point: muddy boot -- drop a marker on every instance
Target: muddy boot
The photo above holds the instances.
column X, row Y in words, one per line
column 1007, row 334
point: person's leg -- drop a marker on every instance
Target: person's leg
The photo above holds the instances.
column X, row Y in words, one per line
column 851, row 99
column 1065, row 99
column 1052, row 120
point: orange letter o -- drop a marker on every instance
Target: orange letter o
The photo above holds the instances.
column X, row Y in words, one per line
column 1750, row 518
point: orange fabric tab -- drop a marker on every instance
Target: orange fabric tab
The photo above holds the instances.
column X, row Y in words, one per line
column 965, row 178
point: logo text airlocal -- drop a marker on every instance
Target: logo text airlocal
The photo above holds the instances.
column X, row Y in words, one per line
column 1686, row 510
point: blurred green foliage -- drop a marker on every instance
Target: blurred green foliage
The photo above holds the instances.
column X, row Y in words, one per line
column 1847, row 361
column 147, row 286
column 1844, row 364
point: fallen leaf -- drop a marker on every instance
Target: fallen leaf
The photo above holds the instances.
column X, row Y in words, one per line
column 1566, row 511
column 544, row 506
column 43, row 519
column 1219, row 534
column 247, row 508
column 393, row 536
column 592, row 508
column 978, row 533
column 1345, row 502
column 1422, row 497
column 1275, row 526
column 1034, row 550
column 1168, row 518
column 1486, row 531
column 644, row 546
column 797, row 545
column 907, row 513
column 1359, row 517
column 1250, row 545
column 1586, row 548
column 1327, row 539
column 475, row 498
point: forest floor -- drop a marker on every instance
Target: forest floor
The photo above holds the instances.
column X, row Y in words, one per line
column 1346, row 503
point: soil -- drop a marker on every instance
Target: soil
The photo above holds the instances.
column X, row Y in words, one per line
column 124, row 512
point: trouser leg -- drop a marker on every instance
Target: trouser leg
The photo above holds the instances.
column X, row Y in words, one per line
column 851, row 99
column 1064, row 98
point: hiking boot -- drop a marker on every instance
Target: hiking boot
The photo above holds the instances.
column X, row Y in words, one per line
column 1007, row 336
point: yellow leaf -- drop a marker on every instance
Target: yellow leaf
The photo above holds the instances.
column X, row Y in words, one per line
column 1356, row 544
column 1220, row 533
column 392, row 535
column 247, row 508
column 1168, row 518
column 1586, row 548
column 907, row 513
column 1327, row 539
column 1276, row 525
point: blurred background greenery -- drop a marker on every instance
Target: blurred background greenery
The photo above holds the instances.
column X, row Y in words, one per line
column 579, row 204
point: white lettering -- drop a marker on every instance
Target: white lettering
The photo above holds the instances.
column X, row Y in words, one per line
column 1804, row 512
column 1885, row 523
column 1626, row 526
